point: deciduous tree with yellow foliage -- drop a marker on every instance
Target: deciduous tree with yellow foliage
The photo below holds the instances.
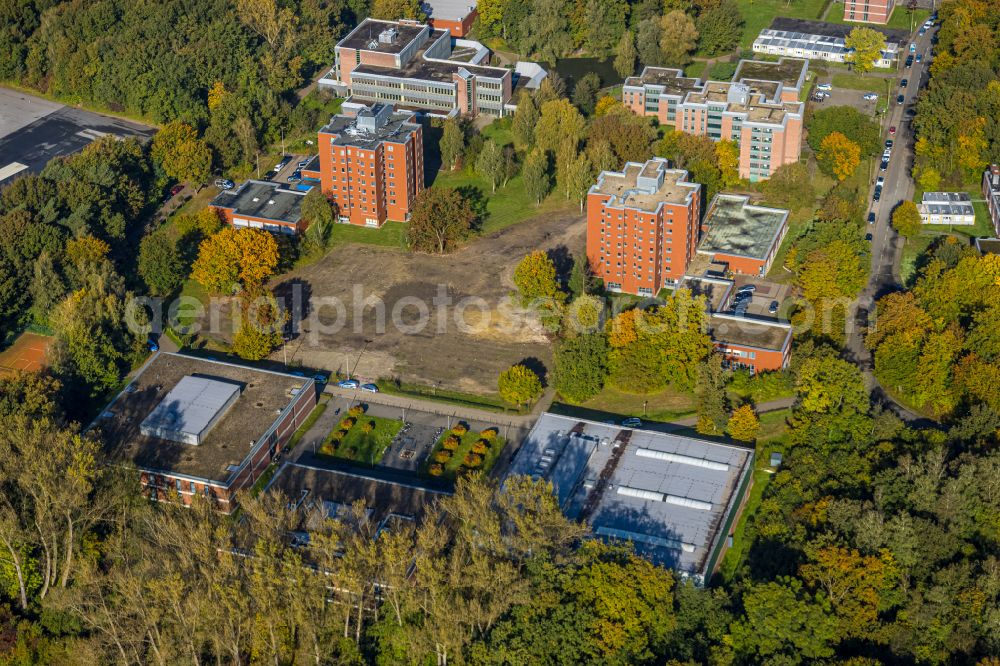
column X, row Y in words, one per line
column 236, row 259
column 839, row 156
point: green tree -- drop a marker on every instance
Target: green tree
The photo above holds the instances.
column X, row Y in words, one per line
column 560, row 122
column 391, row 10
column 790, row 186
column 864, row 48
column 181, row 154
column 678, row 38
column 906, row 220
column 848, row 121
column 160, row 264
column 260, row 331
column 441, row 217
column 525, row 119
column 605, row 23
column 519, row 385
column 490, row 163
column 536, row 175
column 581, row 366
column 720, row 27
column 452, row 143
column 780, row 618
column 710, row 391
column 585, row 92
column 535, row 278
column 320, row 214
column 625, row 54
column 579, row 282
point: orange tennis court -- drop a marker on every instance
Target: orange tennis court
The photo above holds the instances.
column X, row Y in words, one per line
column 27, row 353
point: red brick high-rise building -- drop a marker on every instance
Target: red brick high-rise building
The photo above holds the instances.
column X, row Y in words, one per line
column 371, row 164
column 868, row 11
column 642, row 226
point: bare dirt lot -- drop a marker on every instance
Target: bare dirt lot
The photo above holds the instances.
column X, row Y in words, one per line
column 444, row 321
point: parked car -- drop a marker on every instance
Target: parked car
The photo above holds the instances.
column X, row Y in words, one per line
column 920, row 57
column 297, row 373
column 303, row 164
column 348, row 384
column 868, row 237
column 871, row 217
column 892, row 130
column 880, row 181
column 903, row 83
column 176, row 189
column 320, row 378
column 748, row 288
column 913, row 47
column 282, row 164
column 369, row 388
column 871, row 97
column 884, row 165
column 878, row 194
column 224, row 184
column 773, row 307
column 900, row 99
column 909, row 61
column 632, row 422
column 152, row 344
column 887, row 153
column 824, row 86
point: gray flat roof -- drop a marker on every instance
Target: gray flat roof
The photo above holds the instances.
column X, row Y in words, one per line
column 790, row 72
column 946, row 197
column 308, row 485
column 735, row 227
column 368, row 31
column 834, row 29
column 259, row 198
column 748, row 332
column 263, row 397
column 189, row 409
column 396, row 130
column 448, row 10
column 670, row 495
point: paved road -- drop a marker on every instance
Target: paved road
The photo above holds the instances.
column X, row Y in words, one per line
column 886, row 243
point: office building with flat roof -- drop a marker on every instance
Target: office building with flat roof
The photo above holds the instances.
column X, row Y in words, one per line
column 759, row 109
column 741, row 235
column 192, row 426
column 751, row 343
column 642, row 226
column 674, row 498
column 991, row 192
column 259, row 204
column 951, row 208
column 455, row 16
column 370, row 163
column 868, row 11
column 418, row 67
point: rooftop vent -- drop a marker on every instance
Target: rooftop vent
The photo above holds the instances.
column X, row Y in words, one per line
column 682, row 459
column 256, row 199
column 388, row 36
column 654, row 496
column 270, row 202
column 190, row 410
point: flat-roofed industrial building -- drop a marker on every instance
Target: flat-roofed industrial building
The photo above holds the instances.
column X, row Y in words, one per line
column 674, row 497
column 259, row 204
column 193, row 426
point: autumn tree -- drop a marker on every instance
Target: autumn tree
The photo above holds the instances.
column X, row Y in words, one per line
column 720, row 27
column 559, row 122
column 441, row 217
column 391, row 10
column 181, row 154
column 743, row 424
column 490, row 163
column 728, row 155
column 678, row 38
column 525, row 118
column 710, row 391
column 535, row 279
column 536, row 175
column 839, row 156
column 452, row 143
column 906, row 220
column 519, row 385
column 864, row 48
column 236, row 259
column 581, row 366
column 625, row 54
column 260, row 331
column 790, row 186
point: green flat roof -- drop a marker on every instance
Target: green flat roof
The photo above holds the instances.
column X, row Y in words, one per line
column 735, row 227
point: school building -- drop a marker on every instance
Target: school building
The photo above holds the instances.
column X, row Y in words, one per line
column 759, row 109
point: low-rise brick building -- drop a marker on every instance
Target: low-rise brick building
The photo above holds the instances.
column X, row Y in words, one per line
column 742, row 236
column 371, row 164
column 642, row 226
column 259, row 204
column 753, row 344
column 759, row 109
column 192, row 426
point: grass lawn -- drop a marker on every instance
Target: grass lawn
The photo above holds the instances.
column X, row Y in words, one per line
column 696, row 69
column 360, row 446
column 490, row 402
column 451, row 467
column 758, row 14
column 391, row 234
column 867, row 82
column 666, row 405
column 772, row 430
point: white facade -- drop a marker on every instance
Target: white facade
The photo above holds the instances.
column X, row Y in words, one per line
column 816, row 47
column 952, row 208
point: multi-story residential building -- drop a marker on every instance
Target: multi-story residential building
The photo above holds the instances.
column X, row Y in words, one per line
column 261, row 204
column 991, row 191
column 953, row 208
column 642, row 226
column 370, row 163
column 818, row 40
column 868, row 11
column 744, row 237
column 759, row 109
column 414, row 66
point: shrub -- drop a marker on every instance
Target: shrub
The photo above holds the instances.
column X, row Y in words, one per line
column 368, row 426
column 451, row 443
column 348, row 423
column 472, row 460
column 353, row 451
column 442, row 456
column 356, row 410
column 342, row 433
column 435, row 470
column 489, row 434
column 480, row 448
column 460, row 429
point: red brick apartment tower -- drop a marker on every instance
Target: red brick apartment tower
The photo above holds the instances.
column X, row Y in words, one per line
column 372, row 164
column 868, row 11
column 642, row 226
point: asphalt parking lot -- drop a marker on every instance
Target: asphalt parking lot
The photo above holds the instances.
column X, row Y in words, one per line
column 34, row 130
column 764, row 294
